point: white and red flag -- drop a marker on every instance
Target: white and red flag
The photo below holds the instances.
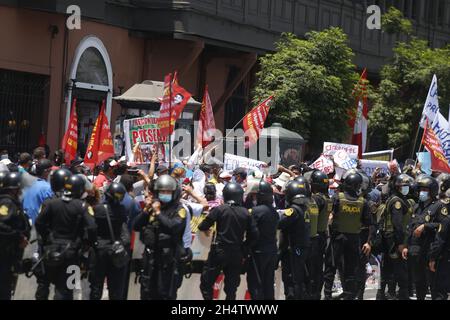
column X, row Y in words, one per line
column 358, row 120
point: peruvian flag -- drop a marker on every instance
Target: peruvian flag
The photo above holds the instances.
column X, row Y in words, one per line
column 206, row 123
column 359, row 120
column 173, row 102
column 433, row 145
column 254, row 121
column 101, row 145
column 70, row 140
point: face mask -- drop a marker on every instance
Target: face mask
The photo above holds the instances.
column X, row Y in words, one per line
column 255, row 203
column 405, row 190
column 165, row 198
column 233, row 179
column 423, row 196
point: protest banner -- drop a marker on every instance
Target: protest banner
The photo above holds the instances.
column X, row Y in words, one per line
column 142, row 139
column 382, row 155
column 231, row 162
column 425, row 160
column 323, row 164
column 369, row 166
column 329, row 148
column 343, row 160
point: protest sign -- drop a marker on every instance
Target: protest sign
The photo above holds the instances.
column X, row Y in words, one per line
column 330, row 148
column 369, row 166
column 142, row 139
column 231, row 162
column 323, row 164
column 383, row 155
column 343, row 160
column 425, row 160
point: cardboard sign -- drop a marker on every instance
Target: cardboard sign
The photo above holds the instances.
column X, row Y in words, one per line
column 343, row 160
column 369, row 166
column 330, row 148
column 323, row 164
column 231, row 162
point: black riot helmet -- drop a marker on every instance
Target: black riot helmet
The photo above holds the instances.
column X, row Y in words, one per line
column 264, row 195
column 430, row 183
column 304, row 184
column 74, row 187
column 294, row 190
column 58, row 179
column 353, row 182
column 115, row 192
column 319, row 182
column 12, row 181
column 233, row 193
column 167, row 183
column 444, row 183
column 3, row 175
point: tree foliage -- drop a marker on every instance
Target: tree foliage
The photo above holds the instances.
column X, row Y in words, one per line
column 403, row 89
column 312, row 81
column 393, row 22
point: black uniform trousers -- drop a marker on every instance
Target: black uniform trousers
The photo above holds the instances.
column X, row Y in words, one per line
column 261, row 275
column 314, row 268
column 441, row 285
column 346, row 251
column 6, row 278
column 418, row 261
column 59, row 276
column 293, row 262
column 361, row 271
column 115, row 277
column 159, row 280
column 43, row 283
column 222, row 258
column 331, row 266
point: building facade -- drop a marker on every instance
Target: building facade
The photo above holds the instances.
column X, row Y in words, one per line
column 44, row 65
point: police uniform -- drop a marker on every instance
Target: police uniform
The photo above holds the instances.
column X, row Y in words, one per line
column 350, row 214
column 294, row 242
column 14, row 228
column 418, row 248
column 393, row 267
column 62, row 225
column 261, row 271
column 440, row 254
column 104, row 267
column 162, row 235
column 325, row 206
column 227, row 251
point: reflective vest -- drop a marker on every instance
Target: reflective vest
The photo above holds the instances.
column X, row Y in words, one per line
column 349, row 217
column 324, row 214
column 313, row 213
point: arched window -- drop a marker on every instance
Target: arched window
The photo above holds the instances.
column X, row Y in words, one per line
column 91, row 68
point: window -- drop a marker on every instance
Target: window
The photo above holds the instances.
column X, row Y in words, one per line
column 91, row 68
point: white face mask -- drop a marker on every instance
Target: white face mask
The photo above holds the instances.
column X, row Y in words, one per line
column 423, row 196
column 405, row 190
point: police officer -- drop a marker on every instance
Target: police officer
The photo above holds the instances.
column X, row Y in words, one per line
column 391, row 224
column 162, row 226
column 112, row 235
column 350, row 213
column 58, row 179
column 418, row 242
column 62, row 225
column 14, row 231
column 295, row 239
column 319, row 189
column 227, row 252
column 263, row 255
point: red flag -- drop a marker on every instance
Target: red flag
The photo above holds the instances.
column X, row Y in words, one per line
column 434, row 147
column 169, row 112
column 358, row 121
column 206, row 122
column 70, row 140
column 254, row 121
column 42, row 141
column 101, row 145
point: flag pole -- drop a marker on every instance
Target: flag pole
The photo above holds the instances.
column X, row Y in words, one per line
column 170, row 120
column 415, row 141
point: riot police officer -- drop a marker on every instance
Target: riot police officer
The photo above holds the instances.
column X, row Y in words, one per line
column 113, row 242
column 62, row 225
column 233, row 222
column 14, row 231
column 319, row 189
column 391, row 224
column 263, row 255
column 162, row 227
column 295, row 239
column 418, row 242
column 58, row 179
column 350, row 214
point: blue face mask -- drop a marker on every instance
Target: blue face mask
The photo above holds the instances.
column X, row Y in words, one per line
column 423, row 196
column 165, row 198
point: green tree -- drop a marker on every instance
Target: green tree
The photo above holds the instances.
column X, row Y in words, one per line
column 312, row 81
column 401, row 95
column 393, row 22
